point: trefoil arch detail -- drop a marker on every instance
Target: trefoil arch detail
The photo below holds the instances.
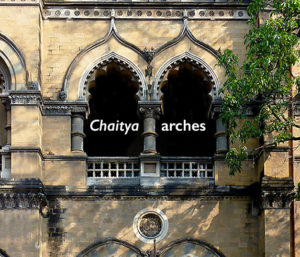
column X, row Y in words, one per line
column 104, row 60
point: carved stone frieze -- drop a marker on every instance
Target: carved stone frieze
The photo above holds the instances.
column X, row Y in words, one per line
column 151, row 109
column 57, row 110
column 14, row 200
column 25, row 98
column 64, row 108
column 276, row 200
column 276, row 193
column 146, row 13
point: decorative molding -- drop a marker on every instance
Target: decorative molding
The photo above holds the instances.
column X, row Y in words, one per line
column 104, row 60
column 25, row 98
column 112, row 32
column 59, row 108
column 149, row 224
column 151, row 109
column 19, row 2
column 193, row 59
column 15, row 63
column 144, row 13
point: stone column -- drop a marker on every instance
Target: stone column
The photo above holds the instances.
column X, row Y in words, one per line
column 150, row 111
column 77, row 133
column 220, row 135
column 150, row 159
column 221, row 138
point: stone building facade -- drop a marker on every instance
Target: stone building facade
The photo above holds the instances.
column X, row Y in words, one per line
column 66, row 190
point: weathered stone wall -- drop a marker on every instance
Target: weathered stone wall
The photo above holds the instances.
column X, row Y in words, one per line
column 20, row 232
column 225, row 224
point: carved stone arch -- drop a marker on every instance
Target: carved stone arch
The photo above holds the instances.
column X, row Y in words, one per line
column 14, row 60
column 104, row 60
column 181, row 58
column 106, row 241
column 208, row 249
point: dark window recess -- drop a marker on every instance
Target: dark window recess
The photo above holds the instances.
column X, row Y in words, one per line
column 186, row 97
column 113, row 98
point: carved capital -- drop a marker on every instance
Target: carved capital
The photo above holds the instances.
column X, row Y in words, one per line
column 151, row 109
column 276, row 193
column 13, row 200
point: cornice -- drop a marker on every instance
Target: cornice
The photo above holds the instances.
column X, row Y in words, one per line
column 145, row 12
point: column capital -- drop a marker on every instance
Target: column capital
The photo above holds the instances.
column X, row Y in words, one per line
column 276, row 193
column 150, row 109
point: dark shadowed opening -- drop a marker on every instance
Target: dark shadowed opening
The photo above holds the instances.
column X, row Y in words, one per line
column 186, row 97
column 113, row 99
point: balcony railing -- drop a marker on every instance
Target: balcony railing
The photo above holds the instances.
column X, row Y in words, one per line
column 124, row 168
column 186, row 167
column 113, row 167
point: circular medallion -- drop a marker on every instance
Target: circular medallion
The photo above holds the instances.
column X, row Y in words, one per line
column 150, row 224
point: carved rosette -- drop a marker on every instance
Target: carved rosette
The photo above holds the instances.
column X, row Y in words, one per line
column 276, row 193
column 150, row 109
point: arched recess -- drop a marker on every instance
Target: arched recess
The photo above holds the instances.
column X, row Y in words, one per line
column 15, row 62
column 189, row 247
column 182, row 58
column 111, row 90
column 103, row 61
column 187, row 86
column 110, row 247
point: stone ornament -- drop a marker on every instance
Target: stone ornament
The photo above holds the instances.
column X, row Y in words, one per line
column 150, row 224
column 25, row 99
column 138, row 13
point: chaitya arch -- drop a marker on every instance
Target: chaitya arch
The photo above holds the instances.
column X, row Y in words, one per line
column 12, row 66
column 112, row 56
column 186, row 57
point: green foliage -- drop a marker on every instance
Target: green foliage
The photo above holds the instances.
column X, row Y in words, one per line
column 261, row 85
